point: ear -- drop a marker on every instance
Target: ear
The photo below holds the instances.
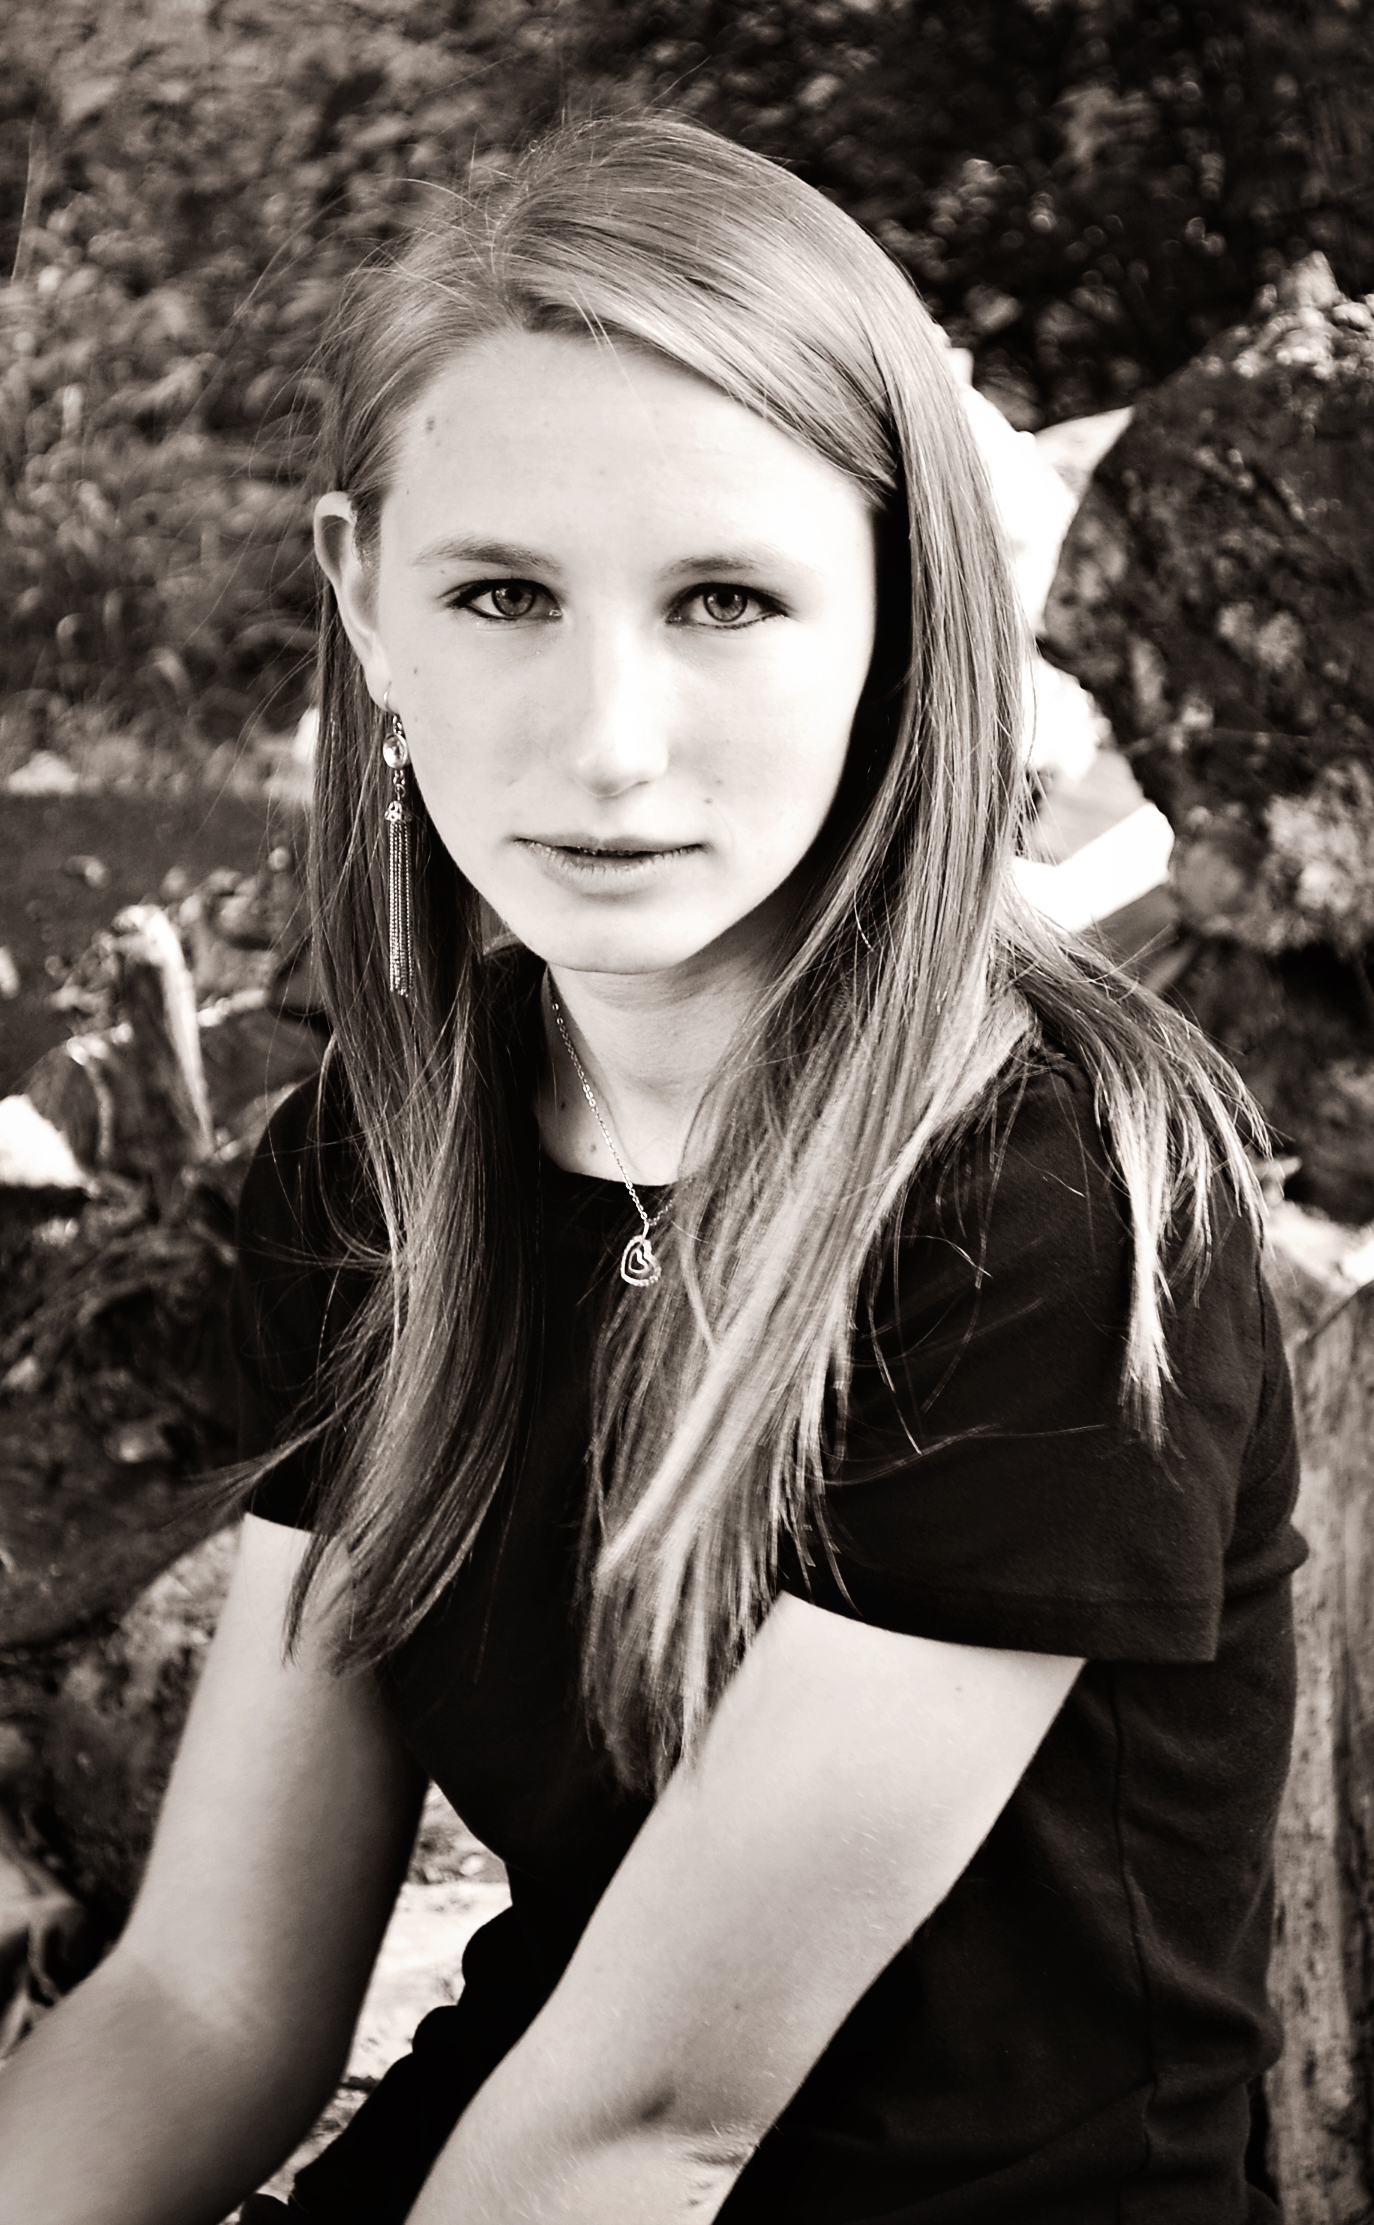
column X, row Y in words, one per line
column 355, row 588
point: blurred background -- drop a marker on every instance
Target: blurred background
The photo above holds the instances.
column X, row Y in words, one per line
column 1085, row 191
column 1147, row 231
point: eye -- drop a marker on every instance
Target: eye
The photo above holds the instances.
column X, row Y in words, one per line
column 507, row 600
column 728, row 608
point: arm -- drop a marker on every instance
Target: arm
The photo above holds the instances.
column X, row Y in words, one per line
column 848, row 1777
column 183, row 2071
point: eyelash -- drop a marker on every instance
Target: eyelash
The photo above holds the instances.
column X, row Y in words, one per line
column 466, row 598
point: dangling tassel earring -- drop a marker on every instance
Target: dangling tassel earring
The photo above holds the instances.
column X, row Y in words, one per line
column 396, row 756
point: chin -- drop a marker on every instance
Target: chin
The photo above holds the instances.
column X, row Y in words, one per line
column 602, row 955
column 625, row 946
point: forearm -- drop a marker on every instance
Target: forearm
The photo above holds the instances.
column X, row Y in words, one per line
column 508, row 2163
column 125, row 2108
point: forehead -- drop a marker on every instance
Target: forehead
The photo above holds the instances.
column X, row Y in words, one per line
column 564, row 431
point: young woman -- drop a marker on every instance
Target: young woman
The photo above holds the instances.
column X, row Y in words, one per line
column 766, row 1386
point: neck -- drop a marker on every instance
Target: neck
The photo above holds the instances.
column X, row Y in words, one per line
column 649, row 1044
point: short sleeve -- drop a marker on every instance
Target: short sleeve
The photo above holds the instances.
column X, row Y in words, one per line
column 292, row 1292
column 991, row 1489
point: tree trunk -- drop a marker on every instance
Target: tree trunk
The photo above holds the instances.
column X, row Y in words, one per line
column 1319, row 2093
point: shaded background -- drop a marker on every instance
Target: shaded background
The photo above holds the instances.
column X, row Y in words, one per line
column 1088, row 193
column 1084, row 190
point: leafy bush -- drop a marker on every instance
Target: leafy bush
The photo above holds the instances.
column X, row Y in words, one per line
column 202, row 186
column 1084, row 190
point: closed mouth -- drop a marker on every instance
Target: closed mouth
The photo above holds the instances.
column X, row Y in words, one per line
column 610, row 849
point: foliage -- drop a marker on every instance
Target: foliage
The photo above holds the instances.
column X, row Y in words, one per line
column 1085, row 190
column 202, row 185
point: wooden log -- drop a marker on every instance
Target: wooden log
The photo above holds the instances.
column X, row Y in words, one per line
column 1322, row 1978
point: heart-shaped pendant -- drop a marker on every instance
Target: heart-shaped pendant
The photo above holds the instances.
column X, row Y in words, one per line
column 638, row 1267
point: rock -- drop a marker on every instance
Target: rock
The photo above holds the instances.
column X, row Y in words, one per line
column 1118, row 868
column 36, row 1151
column 1066, row 727
column 40, row 1931
column 93, row 871
column 119, row 1171
column 1075, row 447
column 163, row 1085
column 244, row 930
column 1280, row 873
column 1298, row 1030
column 1214, row 591
column 1037, row 489
column 17, row 1757
column 1315, row 1265
column 112, row 1735
column 45, row 774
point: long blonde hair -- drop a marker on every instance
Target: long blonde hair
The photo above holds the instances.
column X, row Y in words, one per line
column 910, row 978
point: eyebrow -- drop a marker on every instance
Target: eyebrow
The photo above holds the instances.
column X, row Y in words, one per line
column 762, row 558
column 514, row 556
column 507, row 556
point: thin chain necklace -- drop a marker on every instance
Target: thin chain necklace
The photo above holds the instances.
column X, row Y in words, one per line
column 638, row 1265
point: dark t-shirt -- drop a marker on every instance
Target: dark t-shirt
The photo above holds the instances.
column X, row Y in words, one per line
column 1069, row 2038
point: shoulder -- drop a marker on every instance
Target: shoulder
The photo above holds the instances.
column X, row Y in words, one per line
column 1022, row 1210
column 988, row 1486
column 1028, row 1206
column 1038, row 1129
column 1003, row 1302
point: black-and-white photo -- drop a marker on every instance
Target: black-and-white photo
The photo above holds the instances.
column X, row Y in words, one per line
column 686, row 1112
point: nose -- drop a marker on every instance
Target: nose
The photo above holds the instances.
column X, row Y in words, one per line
column 614, row 726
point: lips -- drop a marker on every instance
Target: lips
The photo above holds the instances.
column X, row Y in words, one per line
column 607, row 846
column 609, row 866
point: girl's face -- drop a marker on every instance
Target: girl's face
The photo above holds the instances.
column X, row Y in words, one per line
column 626, row 623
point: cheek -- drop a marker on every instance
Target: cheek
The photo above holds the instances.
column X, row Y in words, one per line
column 458, row 748
column 792, row 748
column 471, row 726
column 447, row 773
